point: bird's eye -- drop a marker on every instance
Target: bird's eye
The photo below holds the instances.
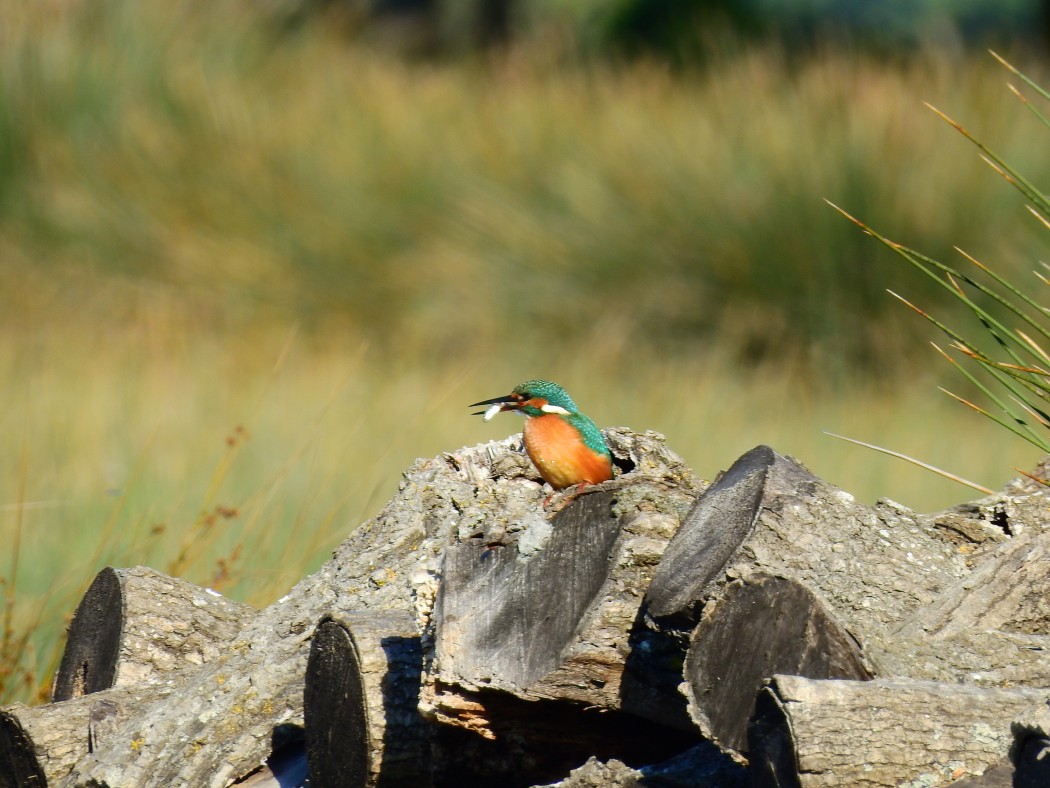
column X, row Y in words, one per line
column 523, row 396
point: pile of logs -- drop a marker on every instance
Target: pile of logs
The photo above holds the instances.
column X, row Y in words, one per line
column 763, row 630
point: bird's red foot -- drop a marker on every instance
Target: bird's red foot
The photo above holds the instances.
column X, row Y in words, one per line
column 570, row 495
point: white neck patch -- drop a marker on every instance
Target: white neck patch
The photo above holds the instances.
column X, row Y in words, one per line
column 548, row 408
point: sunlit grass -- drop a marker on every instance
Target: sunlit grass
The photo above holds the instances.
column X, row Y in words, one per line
column 257, row 169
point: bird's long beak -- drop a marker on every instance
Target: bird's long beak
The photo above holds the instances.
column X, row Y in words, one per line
column 498, row 405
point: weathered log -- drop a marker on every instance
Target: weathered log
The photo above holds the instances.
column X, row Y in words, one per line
column 533, row 625
column 836, row 579
column 883, row 732
column 362, row 726
column 537, row 652
column 39, row 745
column 990, row 627
column 217, row 727
column 556, row 624
column 547, row 612
column 712, row 531
column 133, row 625
column 1009, row 591
column 873, row 565
column 999, row 775
column 759, row 626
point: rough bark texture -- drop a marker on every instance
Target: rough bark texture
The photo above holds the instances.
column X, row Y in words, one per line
column 759, row 626
column 874, row 566
column 772, row 552
column 989, row 628
column 881, row 733
column 547, row 642
column 701, row 766
column 362, row 687
column 538, row 610
column 556, row 624
column 998, row 775
column 134, row 625
column 1009, row 591
column 487, row 493
column 39, row 745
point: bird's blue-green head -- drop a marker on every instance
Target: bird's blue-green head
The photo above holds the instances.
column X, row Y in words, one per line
column 532, row 398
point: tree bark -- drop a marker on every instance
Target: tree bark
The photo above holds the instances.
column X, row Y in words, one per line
column 1009, row 591
column 701, row 766
column 557, row 624
column 883, row 732
column 768, row 514
column 134, row 625
column 39, row 745
column 989, row 628
column 999, row 775
column 760, row 626
column 532, row 633
column 541, row 640
column 781, row 572
column 218, row 727
column 362, row 686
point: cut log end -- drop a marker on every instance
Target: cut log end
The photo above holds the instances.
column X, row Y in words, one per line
column 18, row 764
column 89, row 663
column 362, row 726
column 711, row 532
column 761, row 627
column 499, row 616
column 134, row 625
column 883, row 732
column 336, row 721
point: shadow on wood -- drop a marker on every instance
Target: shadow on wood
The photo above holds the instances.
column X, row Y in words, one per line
column 362, row 684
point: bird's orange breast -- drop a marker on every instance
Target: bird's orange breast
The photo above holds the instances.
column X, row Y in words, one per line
column 561, row 456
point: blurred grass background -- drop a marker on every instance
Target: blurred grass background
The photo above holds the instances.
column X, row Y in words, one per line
column 252, row 266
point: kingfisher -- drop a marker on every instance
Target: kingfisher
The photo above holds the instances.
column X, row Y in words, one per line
column 565, row 446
